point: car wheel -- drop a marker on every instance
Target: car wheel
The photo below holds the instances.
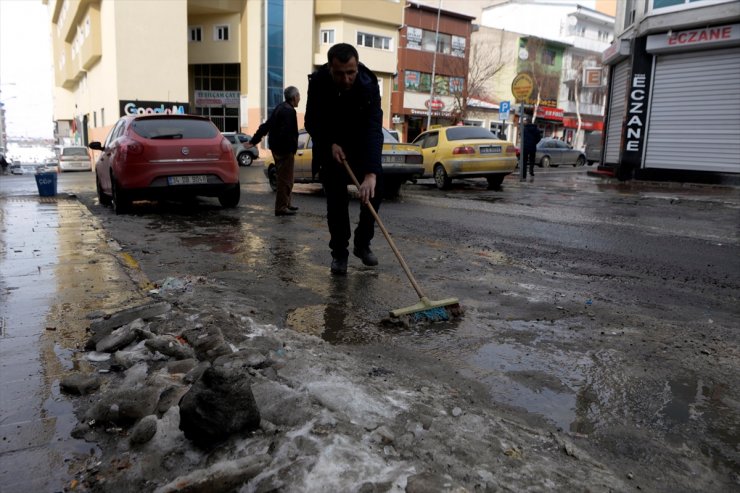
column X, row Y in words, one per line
column 494, row 182
column 545, row 162
column 230, row 198
column 440, row 177
column 120, row 201
column 580, row 161
column 245, row 159
column 103, row 198
column 272, row 178
column 391, row 188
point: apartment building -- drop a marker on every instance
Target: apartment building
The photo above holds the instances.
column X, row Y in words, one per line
column 226, row 59
column 673, row 99
column 560, row 45
column 433, row 56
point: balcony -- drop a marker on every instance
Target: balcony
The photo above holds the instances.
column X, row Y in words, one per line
column 382, row 12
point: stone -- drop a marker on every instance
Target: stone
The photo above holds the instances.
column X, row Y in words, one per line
column 128, row 315
column 222, row 476
column 124, row 405
column 119, row 338
column 170, row 346
column 280, row 404
column 79, row 384
column 427, row 481
column 144, row 430
column 218, row 405
column 181, row 366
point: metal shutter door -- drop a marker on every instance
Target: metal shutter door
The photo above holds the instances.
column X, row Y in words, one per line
column 617, row 106
column 695, row 112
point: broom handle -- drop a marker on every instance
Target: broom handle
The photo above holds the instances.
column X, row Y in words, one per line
column 405, row 267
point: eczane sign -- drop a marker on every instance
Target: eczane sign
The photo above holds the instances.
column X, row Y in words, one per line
column 708, row 37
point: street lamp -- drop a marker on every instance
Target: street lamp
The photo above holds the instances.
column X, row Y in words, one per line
column 434, row 67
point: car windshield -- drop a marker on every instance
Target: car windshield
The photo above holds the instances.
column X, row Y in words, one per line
column 74, row 151
column 174, row 128
column 388, row 137
column 469, row 132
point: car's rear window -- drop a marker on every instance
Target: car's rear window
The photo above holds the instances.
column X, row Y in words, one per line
column 175, row 128
column 74, row 151
column 388, row 137
column 469, row 132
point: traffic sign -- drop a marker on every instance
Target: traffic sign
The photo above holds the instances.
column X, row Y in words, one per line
column 503, row 110
column 522, row 86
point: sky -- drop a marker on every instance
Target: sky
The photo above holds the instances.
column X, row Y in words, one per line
column 26, row 80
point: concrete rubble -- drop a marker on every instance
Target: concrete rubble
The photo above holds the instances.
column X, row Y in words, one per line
column 203, row 399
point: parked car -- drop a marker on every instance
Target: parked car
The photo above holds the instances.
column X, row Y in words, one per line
column 466, row 152
column 594, row 144
column 244, row 156
column 401, row 163
column 165, row 156
column 554, row 152
column 74, row 158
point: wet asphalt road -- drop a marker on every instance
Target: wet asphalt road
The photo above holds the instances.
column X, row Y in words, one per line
column 603, row 309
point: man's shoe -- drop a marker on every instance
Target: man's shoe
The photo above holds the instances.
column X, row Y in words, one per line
column 339, row 266
column 292, row 208
column 367, row 256
column 285, row 212
column 531, row 179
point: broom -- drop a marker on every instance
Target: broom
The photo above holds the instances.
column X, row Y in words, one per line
column 425, row 309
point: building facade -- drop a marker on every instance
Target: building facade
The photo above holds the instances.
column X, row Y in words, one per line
column 228, row 60
column 433, row 54
column 674, row 96
column 560, row 45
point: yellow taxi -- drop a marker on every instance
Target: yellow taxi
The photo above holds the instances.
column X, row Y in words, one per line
column 465, row 152
column 401, row 163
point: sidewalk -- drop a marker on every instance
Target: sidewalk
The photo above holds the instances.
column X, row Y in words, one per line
column 55, row 268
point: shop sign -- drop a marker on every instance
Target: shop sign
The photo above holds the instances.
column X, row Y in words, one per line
column 592, row 77
column 636, row 110
column 589, row 125
column 216, row 98
column 435, row 104
column 555, row 114
column 717, row 36
column 413, row 38
column 151, row 107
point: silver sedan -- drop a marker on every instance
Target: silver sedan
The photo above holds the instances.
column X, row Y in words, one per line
column 554, row 152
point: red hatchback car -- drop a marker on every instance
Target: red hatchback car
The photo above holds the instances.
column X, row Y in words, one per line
column 165, row 156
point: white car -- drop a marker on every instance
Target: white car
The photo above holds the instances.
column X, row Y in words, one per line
column 74, row 158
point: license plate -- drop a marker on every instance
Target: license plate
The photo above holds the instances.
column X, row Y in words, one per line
column 187, row 180
column 490, row 150
column 394, row 159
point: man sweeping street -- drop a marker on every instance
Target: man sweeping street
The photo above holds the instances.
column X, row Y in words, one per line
column 344, row 118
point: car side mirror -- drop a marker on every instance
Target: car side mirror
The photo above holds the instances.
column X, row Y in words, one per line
column 95, row 146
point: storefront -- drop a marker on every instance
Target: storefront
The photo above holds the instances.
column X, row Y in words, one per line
column 675, row 104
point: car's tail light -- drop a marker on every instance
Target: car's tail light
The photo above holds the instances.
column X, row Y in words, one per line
column 463, row 150
column 225, row 145
column 511, row 150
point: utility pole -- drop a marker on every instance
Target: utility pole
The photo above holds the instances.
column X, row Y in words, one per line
column 434, row 67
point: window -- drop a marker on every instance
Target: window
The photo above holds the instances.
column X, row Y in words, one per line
column 195, row 34
column 374, row 41
column 571, row 93
column 548, row 57
column 629, row 13
column 102, row 117
column 302, row 140
column 221, row 33
column 443, row 42
column 327, row 36
column 456, row 85
column 603, row 36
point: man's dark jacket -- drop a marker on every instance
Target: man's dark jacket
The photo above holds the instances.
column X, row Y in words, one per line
column 282, row 129
column 352, row 119
column 532, row 136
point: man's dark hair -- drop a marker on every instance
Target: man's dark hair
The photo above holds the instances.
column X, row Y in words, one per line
column 342, row 52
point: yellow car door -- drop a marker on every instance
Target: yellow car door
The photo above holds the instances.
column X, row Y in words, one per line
column 429, row 146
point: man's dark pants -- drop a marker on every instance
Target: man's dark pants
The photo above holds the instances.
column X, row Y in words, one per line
column 529, row 156
column 284, row 165
column 337, row 212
